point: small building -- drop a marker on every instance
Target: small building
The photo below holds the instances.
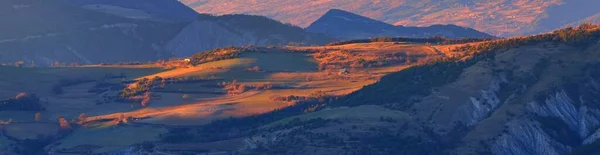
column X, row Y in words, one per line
column 344, row 71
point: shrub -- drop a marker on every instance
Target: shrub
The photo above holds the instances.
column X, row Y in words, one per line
column 254, row 69
column 264, row 86
column 289, row 98
column 38, row 116
column 20, row 95
column 233, row 88
column 381, row 39
column 139, row 87
column 19, row 63
column 215, row 55
column 64, row 124
column 121, row 119
column 163, row 83
column 146, row 99
column 82, row 118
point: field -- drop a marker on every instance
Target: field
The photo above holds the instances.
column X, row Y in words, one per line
column 24, row 131
column 196, row 95
column 104, row 139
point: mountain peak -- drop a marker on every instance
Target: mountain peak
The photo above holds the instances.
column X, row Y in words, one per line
column 350, row 17
column 340, row 24
column 343, row 24
column 339, row 11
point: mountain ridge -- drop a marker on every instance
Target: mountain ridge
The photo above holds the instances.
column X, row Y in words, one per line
column 346, row 25
column 167, row 10
column 46, row 33
column 504, row 18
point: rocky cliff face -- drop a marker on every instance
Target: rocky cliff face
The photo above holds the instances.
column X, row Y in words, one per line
column 480, row 107
column 527, row 135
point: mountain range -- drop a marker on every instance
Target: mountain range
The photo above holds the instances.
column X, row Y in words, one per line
column 499, row 18
column 207, row 32
column 165, row 10
column 44, row 32
column 346, row 25
column 292, row 90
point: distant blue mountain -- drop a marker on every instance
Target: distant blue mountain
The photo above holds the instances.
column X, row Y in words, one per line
column 170, row 10
column 43, row 32
column 341, row 24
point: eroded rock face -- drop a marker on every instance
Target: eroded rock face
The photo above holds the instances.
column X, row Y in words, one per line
column 592, row 138
column 527, row 136
column 581, row 120
column 480, row 107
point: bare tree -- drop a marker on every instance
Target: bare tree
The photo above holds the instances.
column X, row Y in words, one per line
column 20, row 95
column 121, row 119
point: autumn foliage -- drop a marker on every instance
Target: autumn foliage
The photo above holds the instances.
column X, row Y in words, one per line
column 146, row 99
column 234, row 88
column 64, row 124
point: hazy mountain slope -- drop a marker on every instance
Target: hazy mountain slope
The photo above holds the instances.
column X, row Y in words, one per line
column 43, row 32
column 345, row 25
column 592, row 19
column 568, row 12
column 500, row 18
column 168, row 10
column 209, row 32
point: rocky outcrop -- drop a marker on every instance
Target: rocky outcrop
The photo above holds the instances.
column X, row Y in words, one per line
column 527, row 137
column 480, row 107
column 581, row 120
column 592, row 138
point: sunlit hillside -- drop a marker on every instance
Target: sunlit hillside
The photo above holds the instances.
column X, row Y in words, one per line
column 264, row 99
column 255, row 80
